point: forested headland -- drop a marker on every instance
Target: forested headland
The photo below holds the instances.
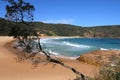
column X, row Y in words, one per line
column 49, row 29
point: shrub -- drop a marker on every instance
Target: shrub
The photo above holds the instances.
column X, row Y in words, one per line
column 109, row 72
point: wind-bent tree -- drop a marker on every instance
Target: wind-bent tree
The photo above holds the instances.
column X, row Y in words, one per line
column 22, row 12
column 19, row 11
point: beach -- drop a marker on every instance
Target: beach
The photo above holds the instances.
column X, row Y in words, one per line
column 10, row 69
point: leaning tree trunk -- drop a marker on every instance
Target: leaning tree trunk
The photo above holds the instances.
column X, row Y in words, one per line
column 57, row 61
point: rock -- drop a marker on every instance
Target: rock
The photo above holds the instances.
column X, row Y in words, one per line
column 100, row 57
column 91, row 34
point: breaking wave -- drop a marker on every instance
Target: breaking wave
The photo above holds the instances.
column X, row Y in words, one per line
column 76, row 45
column 73, row 47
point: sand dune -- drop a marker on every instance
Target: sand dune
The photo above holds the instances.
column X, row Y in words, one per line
column 10, row 69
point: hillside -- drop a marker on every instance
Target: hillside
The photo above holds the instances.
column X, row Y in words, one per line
column 111, row 31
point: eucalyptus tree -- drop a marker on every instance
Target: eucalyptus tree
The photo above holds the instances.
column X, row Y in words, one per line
column 19, row 11
column 22, row 12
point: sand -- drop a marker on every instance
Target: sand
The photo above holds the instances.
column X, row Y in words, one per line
column 10, row 69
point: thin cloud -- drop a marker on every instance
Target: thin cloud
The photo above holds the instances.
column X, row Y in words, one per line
column 61, row 21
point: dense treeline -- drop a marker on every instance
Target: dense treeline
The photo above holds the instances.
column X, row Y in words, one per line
column 61, row 29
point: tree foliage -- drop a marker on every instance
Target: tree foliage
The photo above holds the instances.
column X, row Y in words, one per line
column 19, row 11
column 111, row 31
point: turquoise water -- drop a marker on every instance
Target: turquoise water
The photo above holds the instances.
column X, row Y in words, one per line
column 73, row 47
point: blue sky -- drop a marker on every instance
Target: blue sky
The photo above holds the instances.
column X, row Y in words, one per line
column 76, row 12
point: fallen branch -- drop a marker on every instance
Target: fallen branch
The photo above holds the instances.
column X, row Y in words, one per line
column 57, row 61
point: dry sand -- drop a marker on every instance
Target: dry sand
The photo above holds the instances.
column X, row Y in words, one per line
column 12, row 70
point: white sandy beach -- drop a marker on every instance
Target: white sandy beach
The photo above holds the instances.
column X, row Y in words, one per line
column 12, row 70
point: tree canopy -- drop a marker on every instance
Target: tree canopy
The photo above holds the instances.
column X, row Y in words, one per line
column 19, row 11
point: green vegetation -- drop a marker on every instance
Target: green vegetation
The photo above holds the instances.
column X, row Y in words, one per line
column 109, row 72
column 62, row 29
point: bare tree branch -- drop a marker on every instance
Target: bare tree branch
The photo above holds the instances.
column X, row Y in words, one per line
column 56, row 61
column 22, row 12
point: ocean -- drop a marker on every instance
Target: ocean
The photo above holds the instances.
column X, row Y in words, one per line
column 73, row 47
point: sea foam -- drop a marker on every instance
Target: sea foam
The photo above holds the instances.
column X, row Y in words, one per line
column 76, row 45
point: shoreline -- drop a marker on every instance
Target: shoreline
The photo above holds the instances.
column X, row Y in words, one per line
column 77, row 37
column 12, row 70
column 76, row 56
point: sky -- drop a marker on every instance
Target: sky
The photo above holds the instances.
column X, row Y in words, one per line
column 84, row 13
